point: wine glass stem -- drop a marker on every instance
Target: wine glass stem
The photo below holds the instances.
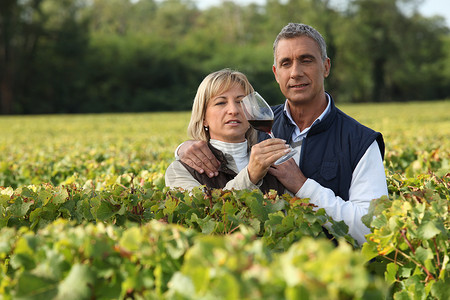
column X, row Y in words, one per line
column 271, row 135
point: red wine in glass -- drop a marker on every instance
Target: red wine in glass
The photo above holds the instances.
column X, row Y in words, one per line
column 262, row 125
column 260, row 116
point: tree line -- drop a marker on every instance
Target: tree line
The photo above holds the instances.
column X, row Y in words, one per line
column 89, row 56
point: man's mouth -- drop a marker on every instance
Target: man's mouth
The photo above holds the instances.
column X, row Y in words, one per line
column 299, row 85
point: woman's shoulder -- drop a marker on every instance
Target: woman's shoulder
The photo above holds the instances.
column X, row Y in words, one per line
column 174, row 170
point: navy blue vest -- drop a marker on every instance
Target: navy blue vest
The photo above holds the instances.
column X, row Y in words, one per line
column 331, row 149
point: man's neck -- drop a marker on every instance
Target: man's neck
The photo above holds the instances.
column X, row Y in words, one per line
column 304, row 114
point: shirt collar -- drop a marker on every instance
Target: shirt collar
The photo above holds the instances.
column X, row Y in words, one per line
column 297, row 134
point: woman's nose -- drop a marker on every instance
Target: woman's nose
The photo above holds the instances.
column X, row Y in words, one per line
column 235, row 108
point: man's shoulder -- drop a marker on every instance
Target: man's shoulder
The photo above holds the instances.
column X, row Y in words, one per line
column 350, row 121
column 277, row 109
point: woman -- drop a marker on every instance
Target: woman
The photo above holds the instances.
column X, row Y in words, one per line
column 217, row 118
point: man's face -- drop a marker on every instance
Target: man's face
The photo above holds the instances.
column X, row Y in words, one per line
column 300, row 70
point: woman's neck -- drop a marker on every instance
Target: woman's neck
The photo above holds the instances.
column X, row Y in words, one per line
column 230, row 148
column 238, row 151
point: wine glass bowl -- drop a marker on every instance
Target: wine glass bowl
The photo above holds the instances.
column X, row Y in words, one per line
column 260, row 116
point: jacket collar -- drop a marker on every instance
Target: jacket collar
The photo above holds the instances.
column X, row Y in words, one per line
column 316, row 127
column 223, row 159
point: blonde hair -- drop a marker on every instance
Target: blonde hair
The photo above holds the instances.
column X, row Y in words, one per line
column 213, row 85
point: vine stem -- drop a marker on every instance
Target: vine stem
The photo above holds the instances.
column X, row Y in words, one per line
column 403, row 233
column 396, row 262
column 429, row 275
column 437, row 253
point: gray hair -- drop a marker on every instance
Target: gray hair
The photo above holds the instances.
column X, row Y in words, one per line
column 293, row 30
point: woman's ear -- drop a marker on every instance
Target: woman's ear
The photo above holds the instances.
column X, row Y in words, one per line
column 205, row 124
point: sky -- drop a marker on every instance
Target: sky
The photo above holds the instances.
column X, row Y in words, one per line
column 428, row 8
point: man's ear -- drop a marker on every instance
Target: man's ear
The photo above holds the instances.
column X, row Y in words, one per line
column 274, row 70
column 327, row 67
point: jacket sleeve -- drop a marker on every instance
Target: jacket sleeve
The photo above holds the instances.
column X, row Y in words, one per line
column 368, row 182
column 178, row 176
column 242, row 182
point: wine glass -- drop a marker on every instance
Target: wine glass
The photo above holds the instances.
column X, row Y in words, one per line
column 260, row 116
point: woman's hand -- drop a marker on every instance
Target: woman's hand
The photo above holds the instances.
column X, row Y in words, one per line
column 263, row 155
column 198, row 156
column 289, row 174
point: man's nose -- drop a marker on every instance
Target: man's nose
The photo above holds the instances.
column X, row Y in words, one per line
column 297, row 70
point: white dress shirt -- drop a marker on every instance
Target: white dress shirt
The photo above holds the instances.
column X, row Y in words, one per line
column 368, row 183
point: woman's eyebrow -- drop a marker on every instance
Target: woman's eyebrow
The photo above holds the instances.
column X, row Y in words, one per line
column 219, row 97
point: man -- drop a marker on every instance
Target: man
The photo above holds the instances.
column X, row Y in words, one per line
column 340, row 166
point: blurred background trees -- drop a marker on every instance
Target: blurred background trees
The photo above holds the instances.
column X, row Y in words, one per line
column 79, row 56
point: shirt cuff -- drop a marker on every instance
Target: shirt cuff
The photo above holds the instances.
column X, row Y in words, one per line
column 309, row 189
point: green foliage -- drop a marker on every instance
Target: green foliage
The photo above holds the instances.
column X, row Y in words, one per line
column 84, row 215
column 91, row 261
column 411, row 237
column 235, row 267
column 138, row 199
column 159, row 261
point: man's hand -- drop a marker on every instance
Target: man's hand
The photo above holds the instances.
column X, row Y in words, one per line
column 263, row 155
column 289, row 174
column 197, row 155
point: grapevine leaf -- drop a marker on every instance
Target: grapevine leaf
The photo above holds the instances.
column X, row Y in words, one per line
column 105, row 211
column 32, row 287
column 255, row 202
column 7, row 239
column 206, row 224
column 276, row 206
column 4, row 199
column 61, row 196
column 379, row 221
column 45, row 197
column 403, row 295
column 181, row 285
column 77, row 284
column 19, row 208
column 440, row 289
column 339, row 229
column 423, row 254
column 26, row 192
column 131, row 239
column 377, row 206
column 369, row 250
column 391, row 272
column 428, row 230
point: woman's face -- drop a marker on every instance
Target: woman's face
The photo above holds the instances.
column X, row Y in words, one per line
column 225, row 118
